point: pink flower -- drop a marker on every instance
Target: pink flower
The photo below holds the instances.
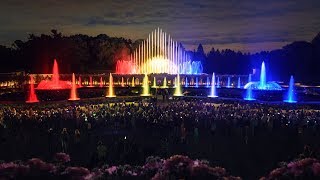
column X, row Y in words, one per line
column 111, row 170
column 77, row 171
column 316, row 169
column 62, row 157
column 277, row 172
column 38, row 164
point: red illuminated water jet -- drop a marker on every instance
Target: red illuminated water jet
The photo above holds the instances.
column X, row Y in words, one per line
column 124, row 67
column 79, row 82
column 73, row 93
column 101, row 82
column 32, row 98
column 90, row 82
column 55, row 82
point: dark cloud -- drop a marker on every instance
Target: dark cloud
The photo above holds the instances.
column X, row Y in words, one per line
column 238, row 24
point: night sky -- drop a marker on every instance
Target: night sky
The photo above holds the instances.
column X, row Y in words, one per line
column 249, row 26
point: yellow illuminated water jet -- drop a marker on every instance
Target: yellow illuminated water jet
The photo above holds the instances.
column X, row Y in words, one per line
column 111, row 92
column 145, row 86
column 133, row 82
column 164, row 83
column 178, row 91
column 154, row 83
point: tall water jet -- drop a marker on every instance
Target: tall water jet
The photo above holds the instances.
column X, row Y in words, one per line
column 122, row 82
column 218, row 82
column 32, row 98
column 101, row 82
column 291, row 94
column 55, row 73
column 73, row 93
column 213, row 92
column 208, row 83
column 186, row 82
column 197, row 82
column 262, row 84
column 178, row 91
column 228, row 82
column 55, row 82
column 165, row 84
column 111, row 90
column 90, row 82
column 79, row 82
column 239, row 85
column 249, row 95
column 263, row 77
column 133, row 82
column 154, row 83
column 146, row 91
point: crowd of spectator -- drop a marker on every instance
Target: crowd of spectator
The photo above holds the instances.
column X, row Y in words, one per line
column 96, row 132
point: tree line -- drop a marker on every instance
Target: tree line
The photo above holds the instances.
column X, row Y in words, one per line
column 85, row 54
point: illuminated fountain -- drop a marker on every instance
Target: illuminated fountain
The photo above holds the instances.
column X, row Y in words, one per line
column 263, row 84
column 111, row 91
column 207, row 82
column 291, row 94
column 55, row 83
column 249, row 78
column 213, row 92
column 197, row 82
column 249, row 95
column 154, row 83
column 218, row 82
column 178, row 91
column 101, row 82
column 90, row 82
column 73, row 93
column 146, row 91
column 32, row 98
column 159, row 53
column 79, row 82
column 239, row 85
column 186, row 82
column 133, row 82
column 122, row 82
column 228, row 82
column 164, row 83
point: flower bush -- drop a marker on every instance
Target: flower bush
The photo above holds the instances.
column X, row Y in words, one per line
column 175, row 167
column 308, row 168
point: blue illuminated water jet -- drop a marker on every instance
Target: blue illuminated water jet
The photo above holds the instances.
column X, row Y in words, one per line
column 208, row 83
column 218, row 82
column 263, row 79
column 291, row 94
column 213, row 92
column 186, row 82
column 249, row 78
column 197, row 83
column 239, row 85
column 228, row 83
column 263, row 84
